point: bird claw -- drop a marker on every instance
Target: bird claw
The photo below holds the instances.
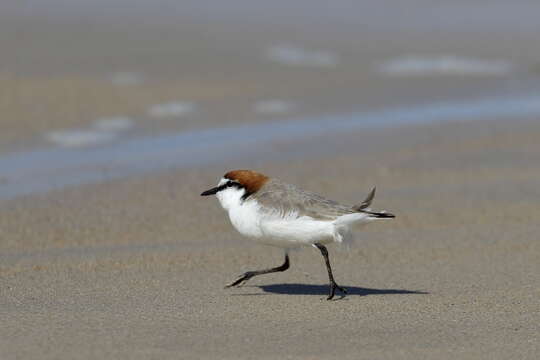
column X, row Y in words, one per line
column 240, row 281
column 333, row 288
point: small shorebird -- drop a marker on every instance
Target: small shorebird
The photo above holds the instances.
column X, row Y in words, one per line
column 275, row 213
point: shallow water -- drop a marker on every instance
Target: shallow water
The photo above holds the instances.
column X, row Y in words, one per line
column 47, row 169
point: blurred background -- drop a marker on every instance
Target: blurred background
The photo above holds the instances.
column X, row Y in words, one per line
column 85, row 82
column 129, row 109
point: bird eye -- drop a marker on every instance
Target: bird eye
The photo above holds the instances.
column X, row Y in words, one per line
column 232, row 183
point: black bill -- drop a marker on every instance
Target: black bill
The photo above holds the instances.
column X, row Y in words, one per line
column 211, row 191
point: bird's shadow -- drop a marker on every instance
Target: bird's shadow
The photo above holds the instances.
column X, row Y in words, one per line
column 308, row 289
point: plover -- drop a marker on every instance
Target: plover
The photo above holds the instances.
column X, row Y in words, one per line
column 276, row 213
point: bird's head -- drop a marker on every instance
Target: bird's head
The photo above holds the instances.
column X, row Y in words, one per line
column 236, row 186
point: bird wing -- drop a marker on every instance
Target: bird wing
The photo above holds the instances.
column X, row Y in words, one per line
column 285, row 200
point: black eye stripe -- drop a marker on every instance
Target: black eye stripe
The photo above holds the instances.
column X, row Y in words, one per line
column 230, row 184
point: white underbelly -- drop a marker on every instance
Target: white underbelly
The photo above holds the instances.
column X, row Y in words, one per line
column 297, row 232
column 284, row 232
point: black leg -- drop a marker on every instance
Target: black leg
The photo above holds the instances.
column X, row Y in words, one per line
column 248, row 275
column 333, row 285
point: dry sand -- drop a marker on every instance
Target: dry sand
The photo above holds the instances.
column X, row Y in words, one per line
column 135, row 268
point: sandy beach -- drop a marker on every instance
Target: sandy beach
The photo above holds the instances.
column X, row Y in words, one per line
column 135, row 268
column 435, row 103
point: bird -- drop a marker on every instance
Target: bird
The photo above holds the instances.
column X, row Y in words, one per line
column 276, row 213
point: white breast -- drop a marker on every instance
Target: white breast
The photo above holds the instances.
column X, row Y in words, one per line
column 246, row 218
column 279, row 230
column 284, row 230
column 244, row 215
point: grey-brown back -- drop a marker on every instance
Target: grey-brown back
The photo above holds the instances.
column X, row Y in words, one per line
column 286, row 199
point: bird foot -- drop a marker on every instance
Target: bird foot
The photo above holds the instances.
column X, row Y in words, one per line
column 241, row 280
column 333, row 287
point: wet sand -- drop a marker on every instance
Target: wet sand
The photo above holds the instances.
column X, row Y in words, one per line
column 59, row 63
column 135, row 268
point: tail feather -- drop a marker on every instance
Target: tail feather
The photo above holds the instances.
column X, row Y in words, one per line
column 364, row 207
column 380, row 215
column 365, row 204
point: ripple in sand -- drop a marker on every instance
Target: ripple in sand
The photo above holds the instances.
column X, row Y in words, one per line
column 114, row 123
column 418, row 65
column 79, row 138
column 103, row 130
column 171, row 109
column 291, row 55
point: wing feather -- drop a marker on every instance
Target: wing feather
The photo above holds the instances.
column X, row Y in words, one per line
column 286, row 200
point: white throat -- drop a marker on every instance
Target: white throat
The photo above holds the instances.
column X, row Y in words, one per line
column 244, row 214
column 231, row 197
